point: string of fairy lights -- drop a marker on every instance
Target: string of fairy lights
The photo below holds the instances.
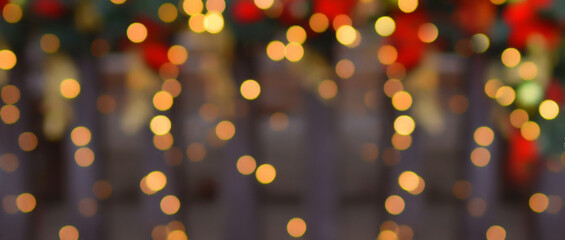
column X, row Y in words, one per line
column 518, row 88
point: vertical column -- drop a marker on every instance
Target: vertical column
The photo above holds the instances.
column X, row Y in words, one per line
column 81, row 144
column 481, row 205
column 238, row 192
column 322, row 197
column 15, row 160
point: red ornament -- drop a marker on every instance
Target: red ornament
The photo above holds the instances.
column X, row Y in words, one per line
column 245, row 12
column 48, row 8
column 523, row 160
column 475, row 16
column 334, row 8
column 155, row 54
column 405, row 38
column 554, row 92
column 524, row 23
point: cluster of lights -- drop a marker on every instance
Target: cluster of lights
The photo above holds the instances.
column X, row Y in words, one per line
column 212, row 21
column 391, row 230
column 293, row 51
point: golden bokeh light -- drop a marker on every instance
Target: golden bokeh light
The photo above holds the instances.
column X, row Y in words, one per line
column 70, row 88
column 530, row 130
column 68, row 232
column 518, row 117
column 144, row 188
column 81, row 136
column 497, row 2
column 172, row 86
column 156, row 181
column 407, row 6
column 538, row 202
column 7, row 59
column 10, row 94
column 401, row 100
column 293, row 52
column 548, row 109
column 396, row 70
column 345, row 68
column 346, row 35
column 276, row 50
column 296, row 34
column 511, row 57
column 428, row 32
column 27, row 141
column 84, row 156
column 246, row 165
column 118, row 2
column 296, row 227
column 401, row 142
column 160, row 125
column 177, row 235
column 196, row 152
column 192, row 7
column 177, row 54
column 170, row 204
column 387, row 235
column 528, row 70
column 163, row 142
column 389, row 225
column 168, row 70
column 49, row 43
column 319, row 22
column 196, row 23
column 341, row 20
column 137, row 32
column 225, row 130
column 462, row 189
column 9, row 162
column 404, row 125
column 392, row 86
column 408, row 181
column 167, row 12
column 26, row 202
column 476, row 207
column 327, row 89
column 162, row 100
column 387, row 55
column 278, row 121
column 9, row 114
column 102, row 189
column 175, row 225
column 481, row 43
column 394, row 205
column 496, row 232
column 385, row 26
column 505, row 95
column 88, row 207
column 483, row 136
column 264, row 4
column 492, row 86
column 420, row 188
column 480, row 157
column 250, row 89
column 265, row 173
column 213, row 22
column 12, row 13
